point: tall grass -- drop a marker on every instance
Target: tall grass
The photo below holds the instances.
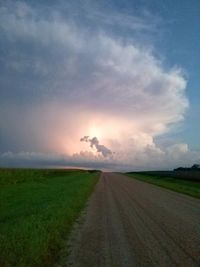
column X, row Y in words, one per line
column 37, row 209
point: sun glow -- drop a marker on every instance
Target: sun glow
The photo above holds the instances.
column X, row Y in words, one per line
column 95, row 131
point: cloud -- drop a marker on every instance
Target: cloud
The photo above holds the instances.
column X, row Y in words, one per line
column 94, row 142
column 163, row 160
column 69, row 80
column 84, row 159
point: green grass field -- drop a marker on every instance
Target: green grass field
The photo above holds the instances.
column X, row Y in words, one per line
column 37, row 210
column 191, row 188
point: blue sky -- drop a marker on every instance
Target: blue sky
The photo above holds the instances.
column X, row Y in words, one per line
column 125, row 72
column 180, row 45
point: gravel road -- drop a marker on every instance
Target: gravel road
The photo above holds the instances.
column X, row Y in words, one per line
column 131, row 223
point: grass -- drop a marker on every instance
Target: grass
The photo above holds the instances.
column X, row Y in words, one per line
column 37, row 209
column 185, row 174
column 191, row 188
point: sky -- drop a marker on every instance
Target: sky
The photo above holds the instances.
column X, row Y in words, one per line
column 111, row 85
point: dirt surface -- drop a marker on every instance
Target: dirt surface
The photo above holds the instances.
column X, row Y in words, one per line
column 131, row 223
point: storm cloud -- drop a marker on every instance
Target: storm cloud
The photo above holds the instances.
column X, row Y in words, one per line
column 69, row 80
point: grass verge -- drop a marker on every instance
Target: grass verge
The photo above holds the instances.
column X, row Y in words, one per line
column 38, row 208
column 191, row 188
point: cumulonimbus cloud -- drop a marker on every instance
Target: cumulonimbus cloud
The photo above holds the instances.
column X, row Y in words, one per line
column 81, row 83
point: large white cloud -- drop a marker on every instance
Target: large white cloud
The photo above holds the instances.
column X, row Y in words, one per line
column 92, row 84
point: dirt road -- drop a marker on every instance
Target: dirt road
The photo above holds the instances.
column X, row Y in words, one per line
column 132, row 223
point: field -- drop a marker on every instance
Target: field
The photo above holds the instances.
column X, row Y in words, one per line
column 37, row 210
column 176, row 181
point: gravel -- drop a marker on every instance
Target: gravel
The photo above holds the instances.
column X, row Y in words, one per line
column 132, row 223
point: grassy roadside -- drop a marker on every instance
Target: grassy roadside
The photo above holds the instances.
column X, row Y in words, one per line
column 191, row 188
column 38, row 208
